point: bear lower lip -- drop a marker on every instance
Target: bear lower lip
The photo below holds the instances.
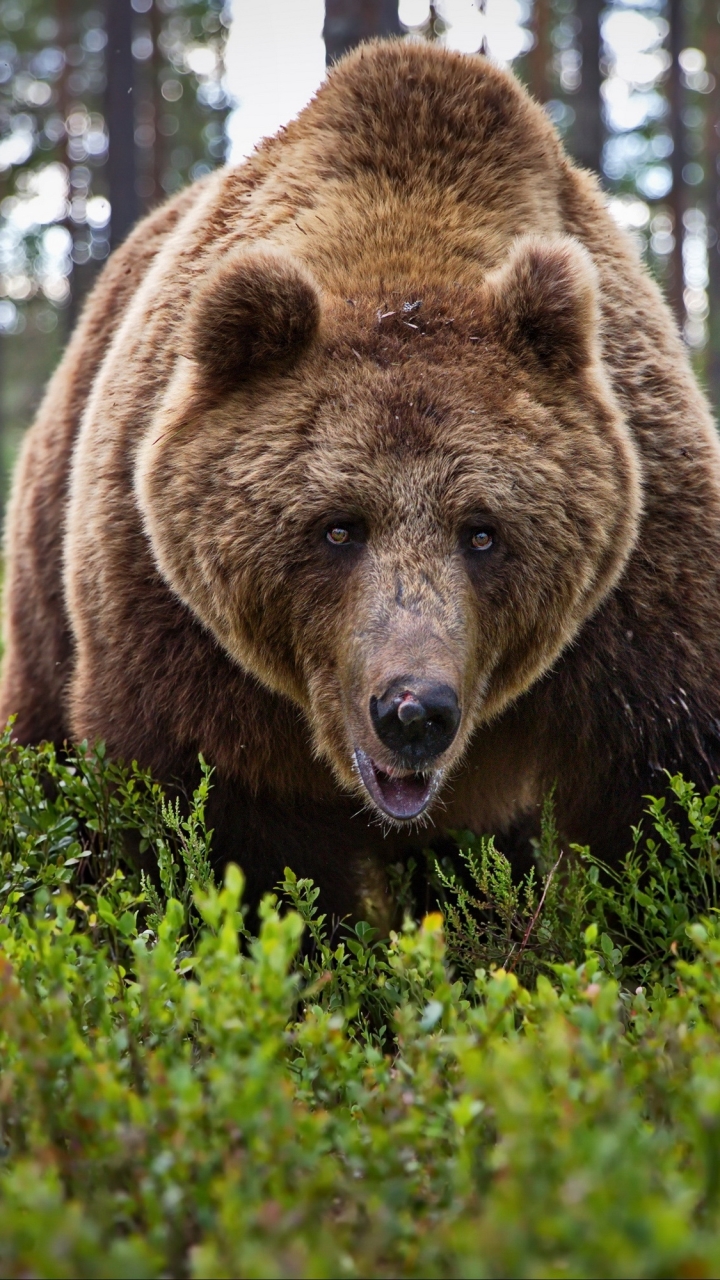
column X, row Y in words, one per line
column 400, row 797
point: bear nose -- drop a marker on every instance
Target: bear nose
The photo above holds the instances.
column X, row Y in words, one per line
column 416, row 721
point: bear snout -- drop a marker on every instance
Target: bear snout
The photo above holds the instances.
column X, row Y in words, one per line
column 416, row 720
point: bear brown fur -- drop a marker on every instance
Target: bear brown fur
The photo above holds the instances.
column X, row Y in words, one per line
column 388, row 423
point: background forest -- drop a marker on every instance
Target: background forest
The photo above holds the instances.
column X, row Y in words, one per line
column 105, row 109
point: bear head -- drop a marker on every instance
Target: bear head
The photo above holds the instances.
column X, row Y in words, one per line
column 395, row 510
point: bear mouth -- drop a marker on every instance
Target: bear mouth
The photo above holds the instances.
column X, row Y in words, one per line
column 401, row 797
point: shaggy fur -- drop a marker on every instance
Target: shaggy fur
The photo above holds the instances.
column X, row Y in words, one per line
column 409, row 315
column 254, row 309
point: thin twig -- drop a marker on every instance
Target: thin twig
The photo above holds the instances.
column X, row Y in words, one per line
column 534, row 919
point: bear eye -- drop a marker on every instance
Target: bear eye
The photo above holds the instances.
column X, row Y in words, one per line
column 481, row 540
column 345, row 532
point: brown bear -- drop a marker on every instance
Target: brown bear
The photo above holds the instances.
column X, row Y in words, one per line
column 377, row 473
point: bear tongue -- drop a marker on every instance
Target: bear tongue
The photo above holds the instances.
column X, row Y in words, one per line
column 402, row 797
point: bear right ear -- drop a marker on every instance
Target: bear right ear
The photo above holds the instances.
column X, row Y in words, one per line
column 256, row 308
column 543, row 304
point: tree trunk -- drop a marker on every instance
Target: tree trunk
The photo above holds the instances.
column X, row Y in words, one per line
column 158, row 157
column 539, row 59
column 712, row 50
column 349, row 22
column 676, row 16
column 120, row 120
column 587, row 133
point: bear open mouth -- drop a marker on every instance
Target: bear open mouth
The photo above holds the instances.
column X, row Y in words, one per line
column 400, row 796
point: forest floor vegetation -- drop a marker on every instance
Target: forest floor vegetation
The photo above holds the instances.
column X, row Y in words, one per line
column 525, row 1082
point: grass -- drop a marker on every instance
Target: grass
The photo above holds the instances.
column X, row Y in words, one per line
column 526, row 1084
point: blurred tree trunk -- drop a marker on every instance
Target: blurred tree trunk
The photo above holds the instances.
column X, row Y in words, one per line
column 349, row 22
column 587, row 132
column 676, row 18
column 539, row 59
column 712, row 50
column 120, row 120
column 158, row 62
column 82, row 276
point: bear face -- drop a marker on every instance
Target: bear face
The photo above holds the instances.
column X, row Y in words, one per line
column 404, row 508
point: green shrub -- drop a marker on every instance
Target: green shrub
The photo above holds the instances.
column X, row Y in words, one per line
column 180, row 1098
column 642, row 908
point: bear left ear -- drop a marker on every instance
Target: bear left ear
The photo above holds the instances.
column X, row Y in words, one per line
column 543, row 303
column 256, row 308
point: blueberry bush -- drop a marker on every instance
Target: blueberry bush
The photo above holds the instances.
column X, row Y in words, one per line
column 523, row 1083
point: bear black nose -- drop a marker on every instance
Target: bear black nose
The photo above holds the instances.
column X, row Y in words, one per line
column 416, row 721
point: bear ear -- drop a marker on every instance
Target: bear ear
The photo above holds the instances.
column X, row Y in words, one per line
column 256, row 308
column 543, row 304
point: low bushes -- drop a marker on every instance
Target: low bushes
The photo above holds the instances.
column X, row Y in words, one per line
column 532, row 1089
